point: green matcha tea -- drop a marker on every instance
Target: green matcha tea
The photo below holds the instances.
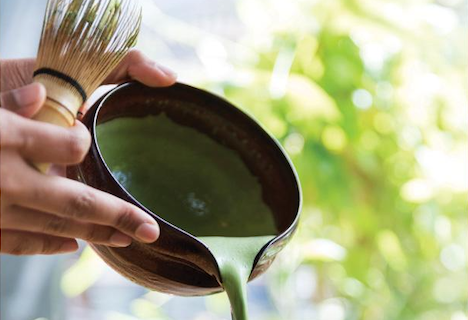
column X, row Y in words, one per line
column 235, row 257
column 198, row 185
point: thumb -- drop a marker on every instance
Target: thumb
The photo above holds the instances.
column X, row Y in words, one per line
column 24, row 101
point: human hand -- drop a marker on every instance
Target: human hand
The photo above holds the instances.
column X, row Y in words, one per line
column 44, row 214
column 135, row 65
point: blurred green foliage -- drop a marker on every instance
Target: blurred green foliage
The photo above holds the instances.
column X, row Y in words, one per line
column 369, row 99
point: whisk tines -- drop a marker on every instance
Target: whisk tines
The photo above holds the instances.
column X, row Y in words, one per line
column 82, row 41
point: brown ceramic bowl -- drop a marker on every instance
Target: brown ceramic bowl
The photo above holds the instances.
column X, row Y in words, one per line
column 178, row 263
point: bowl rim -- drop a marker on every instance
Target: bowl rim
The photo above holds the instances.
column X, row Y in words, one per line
column 277, row 238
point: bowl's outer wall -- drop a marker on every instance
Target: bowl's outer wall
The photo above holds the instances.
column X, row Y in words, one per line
column 177, row 262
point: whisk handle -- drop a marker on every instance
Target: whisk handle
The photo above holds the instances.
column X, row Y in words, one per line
column 54, row 113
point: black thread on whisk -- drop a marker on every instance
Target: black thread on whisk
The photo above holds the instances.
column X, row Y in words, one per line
column 63, row 77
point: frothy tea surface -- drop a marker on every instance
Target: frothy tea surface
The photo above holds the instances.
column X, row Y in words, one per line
column 185, row 177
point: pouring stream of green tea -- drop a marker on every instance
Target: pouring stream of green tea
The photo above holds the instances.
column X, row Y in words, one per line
column 196, row 184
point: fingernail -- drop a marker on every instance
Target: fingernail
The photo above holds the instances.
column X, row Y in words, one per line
column 168, row 72
column 69, row 246
column 147, row 232
column 26, row 95
column 120, row 240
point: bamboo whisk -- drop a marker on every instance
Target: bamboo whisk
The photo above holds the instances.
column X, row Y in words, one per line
column 82, row 41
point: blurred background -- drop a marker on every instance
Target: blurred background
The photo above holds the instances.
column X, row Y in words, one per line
column 369, row 99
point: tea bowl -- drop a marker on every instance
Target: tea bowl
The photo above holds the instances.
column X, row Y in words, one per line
column 178, row 263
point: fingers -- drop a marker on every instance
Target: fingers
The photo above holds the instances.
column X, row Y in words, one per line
column 22, row 243
column 43, row 142
column 23, row 219
column 137, row 66
column 15, row 73
column 74, row 200
column 19, row 72
column 24, row 101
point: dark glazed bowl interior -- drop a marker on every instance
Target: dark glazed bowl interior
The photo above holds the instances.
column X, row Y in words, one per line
column 178, row 263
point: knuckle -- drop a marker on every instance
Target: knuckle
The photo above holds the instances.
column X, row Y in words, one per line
column 56, row 225
column 26, row 142
column 37, row 192
column 20, row 246
column 17, row 249
column 48, row 246
column 81, row 206
column 125, row 219
column 93, row 234
column 15, row 132
column 7, row 218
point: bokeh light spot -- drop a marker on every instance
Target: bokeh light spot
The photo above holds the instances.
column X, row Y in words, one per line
column 362, row 99
column 334, row 138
